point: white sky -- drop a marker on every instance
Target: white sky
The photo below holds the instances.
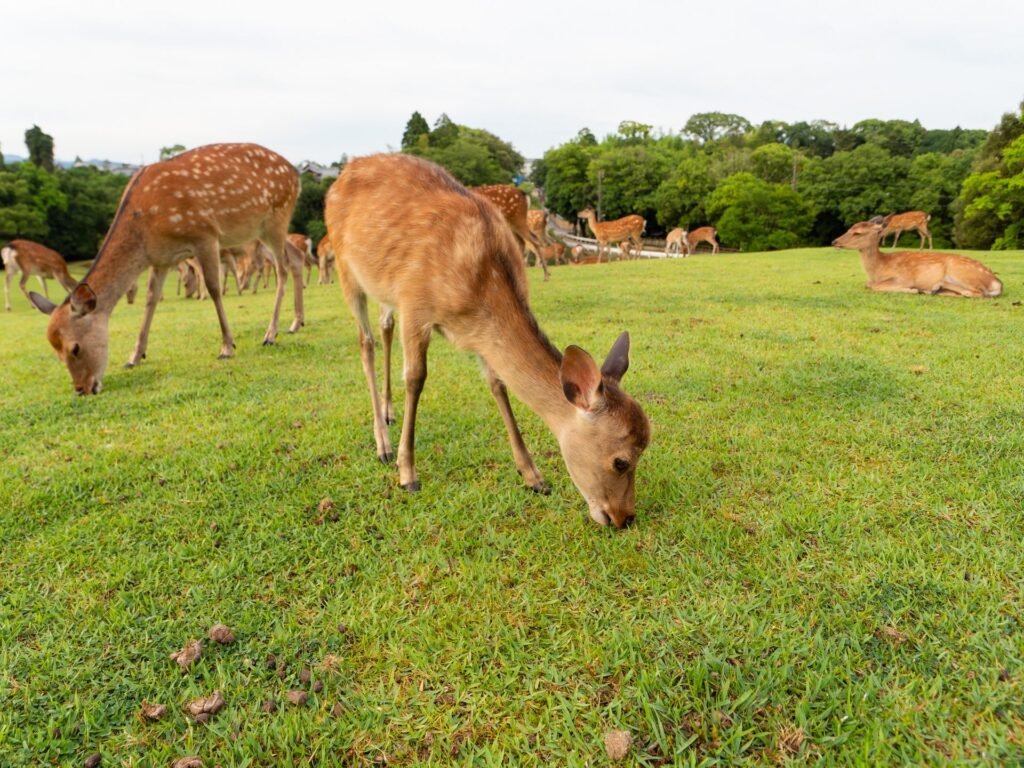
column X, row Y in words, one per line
column 118, row 79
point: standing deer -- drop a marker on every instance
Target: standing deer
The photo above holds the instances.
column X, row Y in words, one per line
column 325, row 259
column 192, row 205
column 945, row 274
column 31, row 258
column 676, row 242
column 466, row 278
column 304, row 245
column 537, row 223
column 609, row 233
column 511, row 203
column 702, row 234
column 554, row 252
column 899, row 223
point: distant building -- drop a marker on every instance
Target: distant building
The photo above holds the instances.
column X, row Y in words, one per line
column 107, row 166
column 317, row 171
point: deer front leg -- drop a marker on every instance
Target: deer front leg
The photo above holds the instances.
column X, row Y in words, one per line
column 524, row 462
column 387, row 333
column 209, row 260
column 415, row 340
column 153, row 291
column 282, row 277
column 42, row 282
column 300, row 315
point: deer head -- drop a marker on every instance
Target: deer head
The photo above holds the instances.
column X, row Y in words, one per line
column 864, row 234
column 586, row 213
column 603, row 444
column 79, row 336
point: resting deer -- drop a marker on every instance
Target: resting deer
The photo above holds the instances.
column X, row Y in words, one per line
column 701, row 234
column 945, row 274
column 609, row 233
column 676, row 242
column 466, row 278
column 192, row 205
column 325, row 259
column 31, row 258
column 899, row 223
column 511, row 203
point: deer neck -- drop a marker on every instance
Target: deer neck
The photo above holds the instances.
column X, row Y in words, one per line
column 117, row 266
column 871, row 258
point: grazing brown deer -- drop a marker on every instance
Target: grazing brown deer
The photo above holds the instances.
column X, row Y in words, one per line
column 701, row 234
column 325, row 259
column 676, row 242
column 945, row 274
column 189, row 206
column 304, row 245
column 610, row 233
column 466, row 278
column 899, row 223
column 511, row 203
column 32, row 258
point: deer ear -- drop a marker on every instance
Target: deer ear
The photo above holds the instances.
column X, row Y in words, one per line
column 581, row 380
column 83, row 300
column 41, row 303
column 617, row 362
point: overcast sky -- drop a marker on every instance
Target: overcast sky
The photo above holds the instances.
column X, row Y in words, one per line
column 119, row 79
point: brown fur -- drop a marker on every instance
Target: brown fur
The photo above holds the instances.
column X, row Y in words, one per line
column 466, row 278
column 31, row 258
column 512, row 204
column 304, row 246
column 325, row 258
column 701, row 234
column 898, row 223
column 609, row 233
column 946, row 274
column 192, row 205
column 676, row 242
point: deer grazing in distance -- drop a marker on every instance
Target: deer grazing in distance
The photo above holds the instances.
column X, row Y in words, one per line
column 610, row 233
column 944, row 274
column 554, row 253
column 676, row 242
column 325, row 259
column 304, row 245
column 32, row 258
column 899, row 223
column 190, row 206
column 466, row 277
column 707, row 235
column 511, row 203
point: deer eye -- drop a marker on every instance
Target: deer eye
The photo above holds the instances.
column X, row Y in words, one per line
column 621, row 465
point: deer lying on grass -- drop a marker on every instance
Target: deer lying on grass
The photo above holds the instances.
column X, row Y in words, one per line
column 609, row 233
column 466, row 278
column 702, row 234
column 511, row 203
column 192, row 205
column 676, row 242
column 899, row 223
column 31, row 258
column 945, row 274
column 325, row 259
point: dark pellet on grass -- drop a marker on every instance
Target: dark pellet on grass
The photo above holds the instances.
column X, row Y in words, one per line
column 270, row 706
column 304, row 675
column 318, row 686
column 93, row 760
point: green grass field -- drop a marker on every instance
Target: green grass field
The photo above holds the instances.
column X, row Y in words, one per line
column 826, row 568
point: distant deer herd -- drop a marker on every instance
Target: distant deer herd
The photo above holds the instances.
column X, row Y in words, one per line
column 404, row 232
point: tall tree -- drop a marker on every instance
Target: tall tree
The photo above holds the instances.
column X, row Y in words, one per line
column 40, row 147
column 416, row 127
column 707, row 127
column 166, row 153
column 445, row 132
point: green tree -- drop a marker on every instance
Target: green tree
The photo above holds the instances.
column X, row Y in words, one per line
column 585, row 138
column 40, row 147
column 566, row 185
column 773, row 163
column 900, row 138
column 308, row 216
column 680, row 198
column 756, row 216
column 166, row 153
column 630, row 177
column 27, row 194
column 991, row 206
column 633, row 132
column 935, row 180
column 416, row 127
column 445, row 132
column 708, row 127
column 474, row 156
column 77, row 229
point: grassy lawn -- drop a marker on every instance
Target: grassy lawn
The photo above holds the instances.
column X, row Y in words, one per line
column 826, row 568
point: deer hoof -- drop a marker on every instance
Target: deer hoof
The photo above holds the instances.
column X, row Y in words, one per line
column 542, row 488
column 224, row 356
column 411, row 487
column 129, row 365
column 386, row 458
column 268, row 342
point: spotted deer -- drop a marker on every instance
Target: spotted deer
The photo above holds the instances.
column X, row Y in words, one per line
column 325, row 259
column 707, row 235
column 676, row 242
column 944, row 274
column 537, row 223
column 190, row 206
column 897, row 223
column 466, row 277
column 32, row 258
column 511, row 203
column 610, row 233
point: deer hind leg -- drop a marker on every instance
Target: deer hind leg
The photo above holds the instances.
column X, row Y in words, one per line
column 295, row 262
column 415, row 340
column 524, row 462
column 209, row 261
column 538, row 249
column 9, row 270
column 896, row 237
column 387, row 333
column 153, row 292
column 356, row 300
column 42, row 282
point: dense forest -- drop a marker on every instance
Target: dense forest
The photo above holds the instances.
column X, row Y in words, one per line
column 771, row 186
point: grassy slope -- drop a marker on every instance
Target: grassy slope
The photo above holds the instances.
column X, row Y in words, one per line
column 829, row 543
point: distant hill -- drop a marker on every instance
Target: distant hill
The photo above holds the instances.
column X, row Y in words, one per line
column 61, row 163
